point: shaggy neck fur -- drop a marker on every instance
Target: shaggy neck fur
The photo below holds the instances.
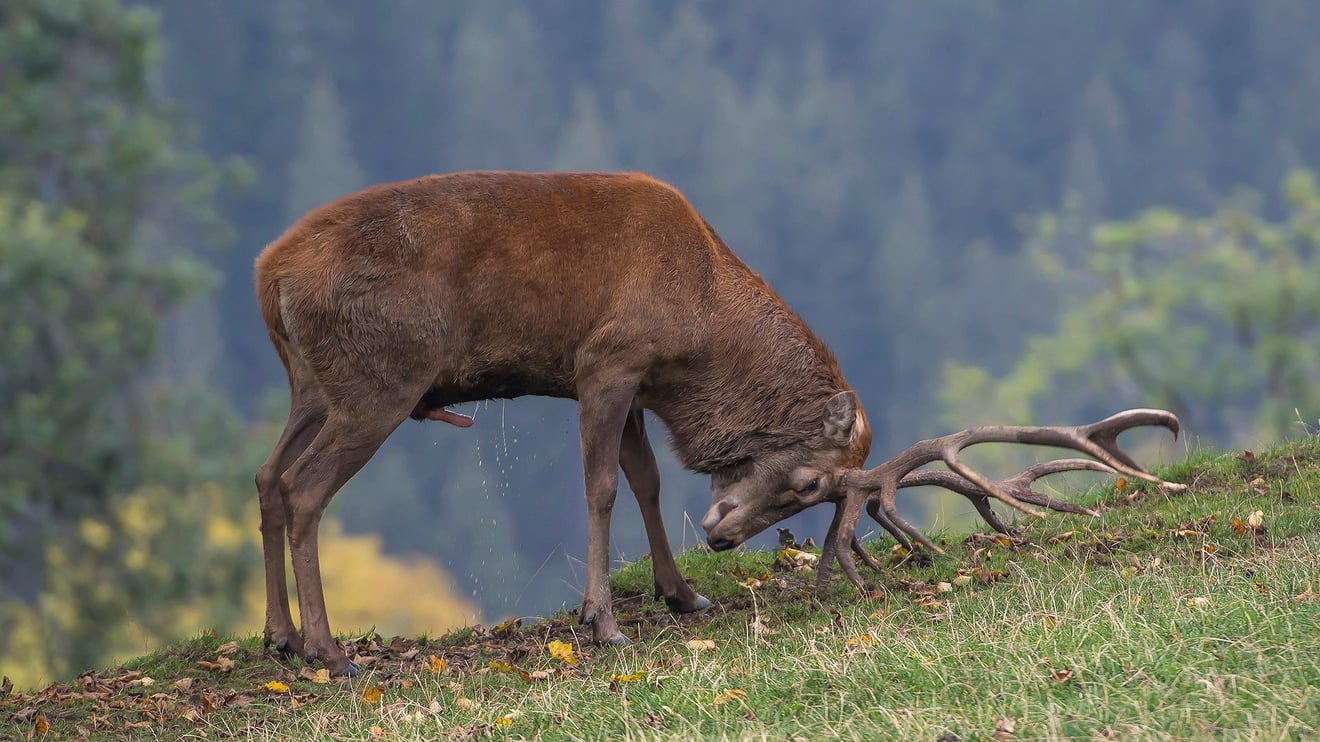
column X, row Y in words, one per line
column 760, row 387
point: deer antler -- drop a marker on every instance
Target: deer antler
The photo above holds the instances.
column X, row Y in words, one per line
column 876, row 488
column 1018, row 485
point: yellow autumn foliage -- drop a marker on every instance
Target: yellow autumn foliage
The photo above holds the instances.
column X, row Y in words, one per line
column 165, row 565
column 406, row 596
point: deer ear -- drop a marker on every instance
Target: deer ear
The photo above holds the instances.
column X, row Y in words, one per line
column 840, row 416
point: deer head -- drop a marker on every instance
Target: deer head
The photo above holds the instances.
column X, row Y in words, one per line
column 750, row 496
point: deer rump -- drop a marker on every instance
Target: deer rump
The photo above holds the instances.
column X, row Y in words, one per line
column 404, row 298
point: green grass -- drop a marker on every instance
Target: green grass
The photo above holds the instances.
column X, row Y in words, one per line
column 1160, row 619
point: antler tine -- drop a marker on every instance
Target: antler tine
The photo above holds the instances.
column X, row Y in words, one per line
column 1105, row 434
column 846, row 514
column 886, row 501
column 954, row 483
column 1099, row 440
column 878, row 487
column 873, row 508
column 878, row 516
column 1018, row 485
column 864, row 555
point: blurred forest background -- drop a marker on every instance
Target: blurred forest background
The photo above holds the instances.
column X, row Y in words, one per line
column 993, row 211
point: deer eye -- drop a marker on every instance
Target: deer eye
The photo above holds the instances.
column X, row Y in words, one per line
column 810, row 487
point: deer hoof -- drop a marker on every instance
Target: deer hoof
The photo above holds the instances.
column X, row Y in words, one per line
column 618, row 640
column 288, row 648
column 350, row 668
column 678, row 605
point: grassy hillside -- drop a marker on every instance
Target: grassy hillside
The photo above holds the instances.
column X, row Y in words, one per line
column 1187, row 616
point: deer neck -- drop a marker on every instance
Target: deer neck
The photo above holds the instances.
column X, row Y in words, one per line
column 759, row 386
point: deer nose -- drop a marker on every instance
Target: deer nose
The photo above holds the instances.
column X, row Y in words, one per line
column 716, row 514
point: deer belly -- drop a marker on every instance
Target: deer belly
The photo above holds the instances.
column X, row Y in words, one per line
column 488, row 385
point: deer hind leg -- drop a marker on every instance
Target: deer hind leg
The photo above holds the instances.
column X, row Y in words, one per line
column 638, row 461
column 350, row 436
column 307, row 413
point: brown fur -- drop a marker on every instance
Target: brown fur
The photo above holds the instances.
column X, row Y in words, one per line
column 607, row 288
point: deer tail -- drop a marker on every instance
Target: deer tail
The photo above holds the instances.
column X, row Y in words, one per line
column 268, row 298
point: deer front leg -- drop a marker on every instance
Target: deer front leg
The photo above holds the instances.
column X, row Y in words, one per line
column 603, row 408
column 638, row 462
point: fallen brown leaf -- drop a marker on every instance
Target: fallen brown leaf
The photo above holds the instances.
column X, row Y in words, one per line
column 221, row 664
column 1004, row 728
column 507, row 627
column 227, row 648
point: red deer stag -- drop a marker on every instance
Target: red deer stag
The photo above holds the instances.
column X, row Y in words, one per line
column 610, row 289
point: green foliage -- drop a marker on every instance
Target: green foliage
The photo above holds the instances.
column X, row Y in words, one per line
column 86, row 152
column 80, row 325
column 100, row 510
column 1216, row 318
